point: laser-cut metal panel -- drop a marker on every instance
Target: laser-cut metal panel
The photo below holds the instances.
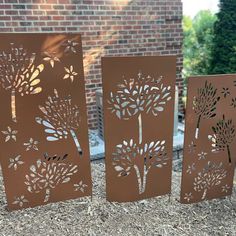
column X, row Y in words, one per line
column 44, row 135
column 138, row 111
column 209, row 153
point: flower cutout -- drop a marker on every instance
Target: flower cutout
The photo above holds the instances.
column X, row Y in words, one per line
column 80, row 186
column 10, row 134
column 233, row 103
column 213, row 139
column 14, row 162
column 225, row 92
column 51, row 58
column 70, row 46
column 192, row 147
column 32, row 145
column 20, row 201
column 188, row 197
column 191, row 169
column 225, row 188
column 70, row 73
column 202, row 156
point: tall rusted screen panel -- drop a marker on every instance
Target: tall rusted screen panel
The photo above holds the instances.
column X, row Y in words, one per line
column 139, row 109
column 209, row 146
column 44, row 135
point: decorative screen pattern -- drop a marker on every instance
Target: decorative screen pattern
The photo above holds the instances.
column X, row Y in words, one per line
column 44, row 134
column 139, row 108
column 210, row 138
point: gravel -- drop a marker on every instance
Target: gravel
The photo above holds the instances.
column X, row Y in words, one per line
column 95, row 216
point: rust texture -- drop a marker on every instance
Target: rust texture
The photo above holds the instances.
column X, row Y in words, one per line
column 209, row 155
column 138, row 109
column 44, row 135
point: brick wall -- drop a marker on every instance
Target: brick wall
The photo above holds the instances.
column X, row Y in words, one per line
column 109, row 27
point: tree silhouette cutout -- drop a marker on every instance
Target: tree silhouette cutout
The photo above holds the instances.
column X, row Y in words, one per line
column 211, row 176
column 46, row 175
column 204, row 104
column 132, row 99
column 127, row 155
column 135, row 97
column 18, row 74
column 224, row 134
column 61, row 118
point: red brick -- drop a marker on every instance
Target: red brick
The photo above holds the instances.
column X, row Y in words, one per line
column 5, row 6
column 107, row 28
column 45, row 7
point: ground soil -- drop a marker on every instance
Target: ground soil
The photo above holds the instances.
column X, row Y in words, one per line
column 96, row 216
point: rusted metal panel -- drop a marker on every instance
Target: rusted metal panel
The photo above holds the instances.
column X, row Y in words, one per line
column 139, row 94
column 44, row 133
column 209, row 154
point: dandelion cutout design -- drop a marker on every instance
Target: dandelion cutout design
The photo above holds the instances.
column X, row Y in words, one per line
column 223, row 135
column 133, row 99
column 61, row 119
column 127, row 155
column 136, row 97
column 204, row 104
column 211, row 176
column 46, row 175
column 19, row 74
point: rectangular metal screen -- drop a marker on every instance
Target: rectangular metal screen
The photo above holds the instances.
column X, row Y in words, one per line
column 209, row 146
column 44, row 135
column 138, row 99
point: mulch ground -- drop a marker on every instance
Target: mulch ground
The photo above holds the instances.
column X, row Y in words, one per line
column 157, row 216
